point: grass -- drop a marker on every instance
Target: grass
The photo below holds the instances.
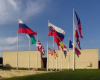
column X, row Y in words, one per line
column 84, row 74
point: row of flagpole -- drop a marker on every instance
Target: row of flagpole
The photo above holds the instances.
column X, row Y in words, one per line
column 47, row 50
column 37, row 53
column 69, row 53
column 53, row 54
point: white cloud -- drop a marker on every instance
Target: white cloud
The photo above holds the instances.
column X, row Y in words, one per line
column 9, row 40
column 12, row 48
column 11, row 9
column 13, row 3
column 5, row 48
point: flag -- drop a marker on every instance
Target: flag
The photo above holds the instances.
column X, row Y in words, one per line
column 76, row 50
column 24, row 29
column 70, row 44
column 79, row 24
column 77, row 36
column 50, row 51
column 57, row 41
column 33, row 41
column 61, row 44
column 57, row 33
column 55, row 54
column 40, row 48
column 64, row 48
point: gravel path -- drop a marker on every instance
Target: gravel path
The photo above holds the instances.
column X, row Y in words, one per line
column 14, row 73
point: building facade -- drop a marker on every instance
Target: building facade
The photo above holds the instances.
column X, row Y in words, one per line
column 87, row 60
column 10, row 59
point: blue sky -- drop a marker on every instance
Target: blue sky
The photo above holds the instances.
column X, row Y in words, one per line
column 36, row 13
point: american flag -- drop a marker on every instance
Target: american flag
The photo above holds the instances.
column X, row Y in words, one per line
column 40, row 47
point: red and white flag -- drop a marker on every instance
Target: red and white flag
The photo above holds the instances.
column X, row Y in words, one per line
column 77, row 36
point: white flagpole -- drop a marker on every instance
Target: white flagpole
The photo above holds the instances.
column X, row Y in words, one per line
column 68, row 58
column 37, row 57
column 52, row 59
column 17, row 43
column 57, row 61
column 47, row 47
column 62, row 61
column 61, row 58
column 73, row 43
column 29, row 51
column 53, row 52
column 69, row 61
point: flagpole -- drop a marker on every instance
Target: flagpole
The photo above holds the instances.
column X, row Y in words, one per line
column 60, row 59
column 47, row 47
column 52, row 59
column 17, row 43
column 37, row 58
column 68, row 58
column 57, row 61
column 73, row 43
column 53, row 52
column 29, row 51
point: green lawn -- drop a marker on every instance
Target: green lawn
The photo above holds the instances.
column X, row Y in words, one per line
column 84, row 74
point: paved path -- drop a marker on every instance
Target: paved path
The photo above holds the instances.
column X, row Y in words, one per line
column 14, row 73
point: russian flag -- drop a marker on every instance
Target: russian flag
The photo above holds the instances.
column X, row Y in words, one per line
column 56, row 31
column 24, row 29
column 79, row 24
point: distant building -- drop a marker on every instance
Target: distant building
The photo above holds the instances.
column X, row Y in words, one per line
column 1, row 61
column 87, row 60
